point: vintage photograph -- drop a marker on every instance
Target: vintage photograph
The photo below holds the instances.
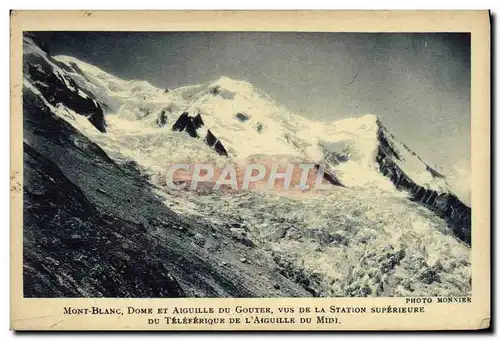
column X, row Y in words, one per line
column 246, row 164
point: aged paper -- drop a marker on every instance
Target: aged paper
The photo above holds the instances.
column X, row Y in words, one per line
column 250, row 170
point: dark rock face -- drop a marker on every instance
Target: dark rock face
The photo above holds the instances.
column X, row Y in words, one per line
column 334, row 158
column 446, row 205
column 210, row 139
column 191, row 124
column 186, row 123
column 220, row 148
column 94, row 228
column 54, row 88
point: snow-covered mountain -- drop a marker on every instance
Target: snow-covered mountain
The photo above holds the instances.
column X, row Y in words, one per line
column 391, row 214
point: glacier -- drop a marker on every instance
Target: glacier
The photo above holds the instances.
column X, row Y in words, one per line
column 391, row 226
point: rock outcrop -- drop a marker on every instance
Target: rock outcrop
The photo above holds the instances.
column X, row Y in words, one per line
column 58, row 88
column 329, row 176
column 219, row 148
column 186, row 123
column 215, row 143
column 72, row 250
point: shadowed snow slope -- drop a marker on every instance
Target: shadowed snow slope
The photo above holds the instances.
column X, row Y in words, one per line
column 393, row 228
